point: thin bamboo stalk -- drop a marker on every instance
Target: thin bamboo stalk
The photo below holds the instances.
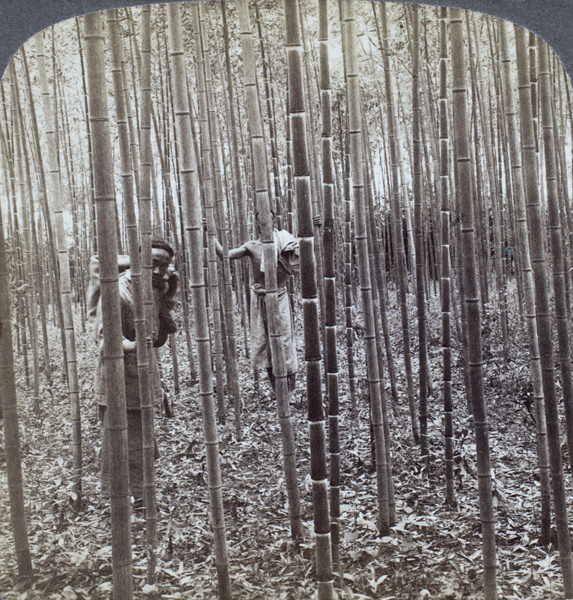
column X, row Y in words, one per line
column 227, row 318
column 209, row 206
column 398, row 238
column 93, row 232
column 44, row 204
column 64, row 269
column 26, row 198
column 347, row 237
column 194, row 230
column 243, row 287
column 356, row 151
column 262, row 209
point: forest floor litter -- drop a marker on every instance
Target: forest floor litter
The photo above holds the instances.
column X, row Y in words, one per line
column 432, row 552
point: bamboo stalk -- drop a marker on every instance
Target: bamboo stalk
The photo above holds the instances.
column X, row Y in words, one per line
column 26, row 197
column 227, row 317
column 446, row 261
column 361, row 237
column 471, row 298
column 194, row 229
column 209, row 205
column 556, row 234
column 331, row 359
column 398, row 239
column 419, row 237
column 9, row 407
column 347, row 237
column 111, row 312
column 309, row 292
column 263, row 213
column 143, row 356
column 528, row 283
column 45, row 207
column 64, row 269
column 544, row 327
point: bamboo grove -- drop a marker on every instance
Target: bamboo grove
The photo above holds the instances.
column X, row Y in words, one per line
column 422, row 158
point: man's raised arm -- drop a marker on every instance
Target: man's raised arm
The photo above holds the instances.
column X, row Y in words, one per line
column 234, row 253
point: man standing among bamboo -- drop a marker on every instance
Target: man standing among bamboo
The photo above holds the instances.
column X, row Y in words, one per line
column 164, row 281
column 286, row 246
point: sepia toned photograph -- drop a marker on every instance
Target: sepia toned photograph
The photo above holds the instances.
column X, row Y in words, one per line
column 285, row 306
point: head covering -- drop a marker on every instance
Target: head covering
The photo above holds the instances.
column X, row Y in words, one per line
column 162, row 244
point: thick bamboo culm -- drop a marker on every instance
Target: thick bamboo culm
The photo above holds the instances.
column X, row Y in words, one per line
column 556, row 235
column 527, row 277
column 542, row 312
column 290, row 224
column 553, row 217
column 148, row 308
column 316, row 185
column 263, row 214
column 361, row 233
column 194, row 232
column 9, row 413
column 348, row 283
column 309, row 293
column 375, row 269
column 331, row 360
column 471, row 299
column 419, row 237
column 104, row 193
column 64, row 267
column 445, row 260
column 116, row 52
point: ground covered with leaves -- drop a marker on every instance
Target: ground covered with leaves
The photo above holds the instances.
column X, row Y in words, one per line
column 432, row 552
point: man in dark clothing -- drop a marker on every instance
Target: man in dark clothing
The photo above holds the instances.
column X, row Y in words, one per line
column 164, row 282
